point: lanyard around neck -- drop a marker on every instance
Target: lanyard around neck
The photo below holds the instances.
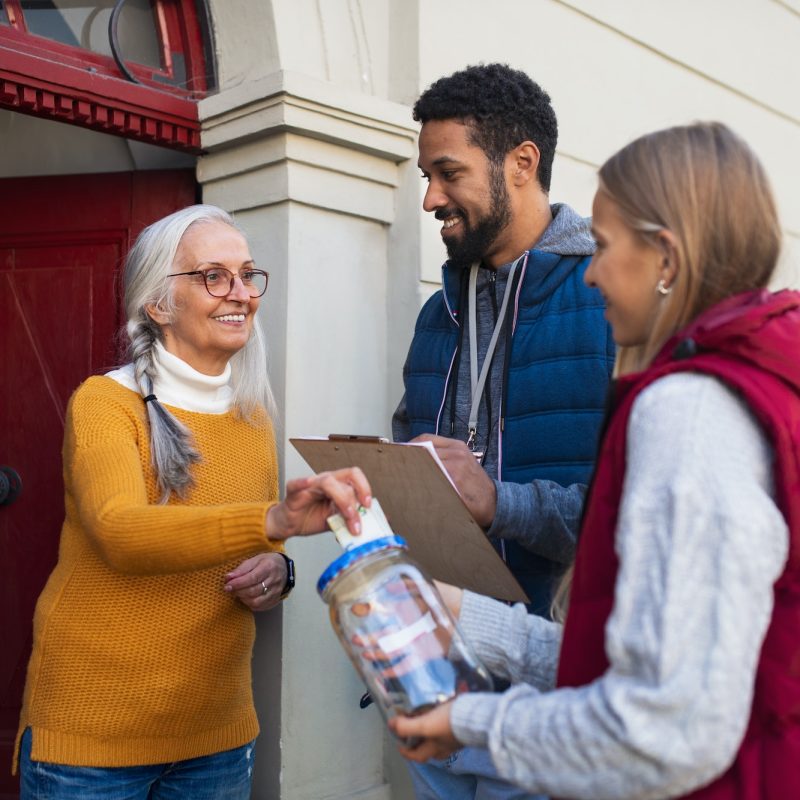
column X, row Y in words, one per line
column 478, row 381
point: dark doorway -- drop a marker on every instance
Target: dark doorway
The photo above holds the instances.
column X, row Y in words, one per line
column 62, row 242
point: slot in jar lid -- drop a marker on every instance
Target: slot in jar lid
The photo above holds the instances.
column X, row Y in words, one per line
column 355, row 554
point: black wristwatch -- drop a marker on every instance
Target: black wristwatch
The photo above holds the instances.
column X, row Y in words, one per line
column 289, row 585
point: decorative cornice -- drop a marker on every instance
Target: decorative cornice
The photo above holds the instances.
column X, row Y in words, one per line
column 288, row 102
column 43, row 88
column 291, row 137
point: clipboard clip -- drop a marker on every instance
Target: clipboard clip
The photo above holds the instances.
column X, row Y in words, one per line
column 349, row 437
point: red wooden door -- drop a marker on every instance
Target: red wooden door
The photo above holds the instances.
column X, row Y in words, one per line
column 62, row 242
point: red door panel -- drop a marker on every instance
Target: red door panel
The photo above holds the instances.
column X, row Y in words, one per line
column 62, row 242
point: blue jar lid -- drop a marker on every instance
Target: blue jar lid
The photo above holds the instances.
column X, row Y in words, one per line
column 355, row 554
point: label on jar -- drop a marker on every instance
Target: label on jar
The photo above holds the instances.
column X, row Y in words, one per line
column 374, row 525
column 391, row 642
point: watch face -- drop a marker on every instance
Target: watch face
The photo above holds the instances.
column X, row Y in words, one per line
column 289, row 585
column 290, row 573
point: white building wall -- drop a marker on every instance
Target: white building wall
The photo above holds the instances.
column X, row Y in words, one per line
column 311, row 143
column 616, row 69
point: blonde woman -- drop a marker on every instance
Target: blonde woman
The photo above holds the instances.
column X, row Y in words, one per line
column 139, row 684
column 678, row 667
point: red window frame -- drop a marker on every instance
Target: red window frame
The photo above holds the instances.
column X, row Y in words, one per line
column 46, row 78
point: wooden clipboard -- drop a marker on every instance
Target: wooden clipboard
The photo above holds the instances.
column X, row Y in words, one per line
column 423, row 507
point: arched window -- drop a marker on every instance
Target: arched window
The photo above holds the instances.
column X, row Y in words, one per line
column 130, row 67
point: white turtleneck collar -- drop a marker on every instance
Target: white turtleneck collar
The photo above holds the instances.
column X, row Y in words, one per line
column 181, row 386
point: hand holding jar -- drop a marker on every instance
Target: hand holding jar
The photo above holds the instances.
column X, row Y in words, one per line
column 397, row 631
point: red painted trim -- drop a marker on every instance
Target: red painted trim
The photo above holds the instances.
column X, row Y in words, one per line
column 14, row 14
column 93, row 100
column 49, row 79
column 182, row 25
column 58, row 52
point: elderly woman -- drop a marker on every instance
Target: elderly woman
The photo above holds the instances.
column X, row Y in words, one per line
column 139, row 682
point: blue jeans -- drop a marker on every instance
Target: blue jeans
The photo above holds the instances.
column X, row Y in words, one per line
column 221, row 776
column 468, row 774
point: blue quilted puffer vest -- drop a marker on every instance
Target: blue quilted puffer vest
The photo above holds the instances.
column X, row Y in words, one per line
column 561, row 359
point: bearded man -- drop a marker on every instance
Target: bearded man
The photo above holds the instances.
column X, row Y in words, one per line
column 509, row 365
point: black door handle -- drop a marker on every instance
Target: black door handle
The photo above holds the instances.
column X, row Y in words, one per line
column 10, row 485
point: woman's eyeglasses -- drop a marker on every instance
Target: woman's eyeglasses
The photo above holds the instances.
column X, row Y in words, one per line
column 219, row 281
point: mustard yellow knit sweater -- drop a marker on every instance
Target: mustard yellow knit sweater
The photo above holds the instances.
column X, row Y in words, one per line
column 139, row 656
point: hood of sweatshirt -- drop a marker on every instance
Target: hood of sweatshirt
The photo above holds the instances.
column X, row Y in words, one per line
column 569, row 234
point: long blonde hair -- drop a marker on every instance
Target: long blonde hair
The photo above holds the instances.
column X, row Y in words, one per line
column 706, row 186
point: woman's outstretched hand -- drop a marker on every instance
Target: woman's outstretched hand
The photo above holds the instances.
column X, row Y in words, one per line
column 310, row 501
column 433, row 732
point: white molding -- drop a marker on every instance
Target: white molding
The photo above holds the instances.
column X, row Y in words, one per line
column 287, row 101
column 291, row 137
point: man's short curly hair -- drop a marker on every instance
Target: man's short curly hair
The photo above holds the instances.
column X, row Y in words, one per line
column 503, row 108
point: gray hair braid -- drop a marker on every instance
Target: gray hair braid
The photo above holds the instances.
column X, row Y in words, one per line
column 172, row 447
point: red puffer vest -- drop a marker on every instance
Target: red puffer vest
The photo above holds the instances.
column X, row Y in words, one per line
column 750, row 342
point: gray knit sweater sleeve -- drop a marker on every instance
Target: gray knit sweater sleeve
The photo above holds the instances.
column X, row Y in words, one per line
column 542, row 516
column 700, row 544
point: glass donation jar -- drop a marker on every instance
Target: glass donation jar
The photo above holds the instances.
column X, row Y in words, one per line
column 396, row 629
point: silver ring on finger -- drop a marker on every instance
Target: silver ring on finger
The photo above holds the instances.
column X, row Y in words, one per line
column 264, row 587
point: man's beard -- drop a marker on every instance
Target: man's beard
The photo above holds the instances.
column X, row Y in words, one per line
column 476, row 240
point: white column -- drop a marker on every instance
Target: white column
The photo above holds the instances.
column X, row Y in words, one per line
column 310, row 172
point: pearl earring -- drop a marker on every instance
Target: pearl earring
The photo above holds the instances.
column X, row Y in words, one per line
column 662, row 288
